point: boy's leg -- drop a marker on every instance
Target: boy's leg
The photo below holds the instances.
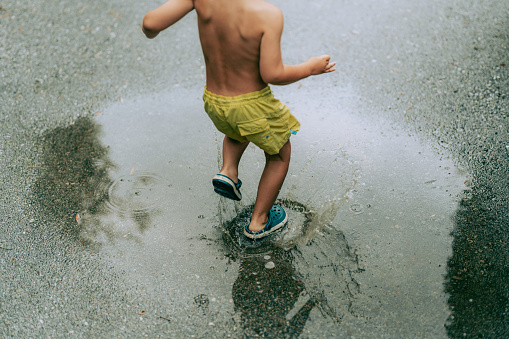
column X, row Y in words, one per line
column 272, row 179
column 232, row 152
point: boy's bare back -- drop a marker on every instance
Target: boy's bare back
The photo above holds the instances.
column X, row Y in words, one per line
column 230, row 34
column 241, row 42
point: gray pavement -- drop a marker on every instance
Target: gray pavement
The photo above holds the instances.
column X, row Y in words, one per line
column 397, row 192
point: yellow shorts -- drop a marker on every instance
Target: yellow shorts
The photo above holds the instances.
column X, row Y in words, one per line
column 257, row 117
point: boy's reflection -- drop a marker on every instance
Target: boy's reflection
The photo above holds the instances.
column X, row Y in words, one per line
column 266, row 293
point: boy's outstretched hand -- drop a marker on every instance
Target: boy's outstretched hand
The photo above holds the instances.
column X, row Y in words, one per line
column 320, row 65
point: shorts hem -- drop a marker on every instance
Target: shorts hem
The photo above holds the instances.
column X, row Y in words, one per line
column 283, row 142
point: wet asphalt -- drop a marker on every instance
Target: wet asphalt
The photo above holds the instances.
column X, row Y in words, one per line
column 397, row 192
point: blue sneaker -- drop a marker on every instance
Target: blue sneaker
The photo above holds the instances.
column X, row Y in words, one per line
column 225, row 187
column 277, row 219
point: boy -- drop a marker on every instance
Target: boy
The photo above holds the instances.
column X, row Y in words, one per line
column 241, row 45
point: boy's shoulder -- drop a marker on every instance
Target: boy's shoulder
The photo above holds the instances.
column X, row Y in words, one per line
column 266, row 8
column 265, row 13
column 261, row 8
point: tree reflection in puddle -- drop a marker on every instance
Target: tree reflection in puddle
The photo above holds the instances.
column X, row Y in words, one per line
column 478, row 271
column 74, row 188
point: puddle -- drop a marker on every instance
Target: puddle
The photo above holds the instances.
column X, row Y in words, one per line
column 368, row 233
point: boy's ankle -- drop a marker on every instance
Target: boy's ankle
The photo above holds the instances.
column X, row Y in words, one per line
column 258, row 224
column 232, row 175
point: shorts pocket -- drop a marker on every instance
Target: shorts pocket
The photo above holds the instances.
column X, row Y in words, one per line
column 258, row 132
column 253, row 127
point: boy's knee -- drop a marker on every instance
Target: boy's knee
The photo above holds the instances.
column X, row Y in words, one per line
column 281, row 156
column 273, row 157
column 284, row 152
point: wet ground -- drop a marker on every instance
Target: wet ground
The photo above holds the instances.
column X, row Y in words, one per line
column 397, row 191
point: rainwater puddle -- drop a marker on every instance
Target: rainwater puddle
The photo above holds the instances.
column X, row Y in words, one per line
column 368, row 233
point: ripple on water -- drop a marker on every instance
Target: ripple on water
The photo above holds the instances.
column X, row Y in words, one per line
column 137, row 193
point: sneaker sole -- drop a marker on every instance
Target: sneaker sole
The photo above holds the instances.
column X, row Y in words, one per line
column 225, row 187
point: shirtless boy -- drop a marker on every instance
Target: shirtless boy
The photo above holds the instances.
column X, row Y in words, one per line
column 241, row 43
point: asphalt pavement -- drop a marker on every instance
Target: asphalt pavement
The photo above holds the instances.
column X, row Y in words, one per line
column 397, row 192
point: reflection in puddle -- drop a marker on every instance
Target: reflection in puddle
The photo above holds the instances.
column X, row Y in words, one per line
column 272, row 300
column 306, row 265
column 76, row 188
column 74, row 176
column 478, row 271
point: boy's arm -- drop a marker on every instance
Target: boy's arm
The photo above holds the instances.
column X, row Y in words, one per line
column 163, row 17
column 272, row 69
